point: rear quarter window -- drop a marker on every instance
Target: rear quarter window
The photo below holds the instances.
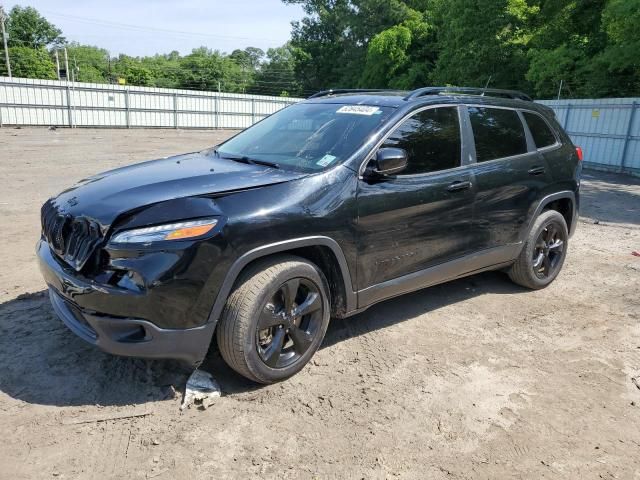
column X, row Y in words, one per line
column 498, row 133
column 540, row 131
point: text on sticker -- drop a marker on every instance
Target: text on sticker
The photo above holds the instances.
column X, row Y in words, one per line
column 359, row 110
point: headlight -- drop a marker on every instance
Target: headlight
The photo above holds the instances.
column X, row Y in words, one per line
column 171, row 231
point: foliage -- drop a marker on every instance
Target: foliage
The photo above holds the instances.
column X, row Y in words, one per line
column 277, row 75
column 32, row 63
column 92, row 63
column 478, row 39
column 249, row 58
column 591, row 46
column 27, row 28
column 165, row 69
column 621, row 56
column 134, row 71
column 206, row 69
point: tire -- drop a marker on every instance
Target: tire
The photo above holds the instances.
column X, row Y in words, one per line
column 527, row 271
column 264, row 296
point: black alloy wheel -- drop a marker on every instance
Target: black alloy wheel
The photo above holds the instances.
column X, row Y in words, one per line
column 543, row 252
column 275, row 318
column 548, row 252
column 288, row 323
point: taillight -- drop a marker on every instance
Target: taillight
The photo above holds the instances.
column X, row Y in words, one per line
column 580, row 154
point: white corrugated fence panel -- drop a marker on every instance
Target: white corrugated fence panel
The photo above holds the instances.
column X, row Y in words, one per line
column 50, row 102
column 608, row 130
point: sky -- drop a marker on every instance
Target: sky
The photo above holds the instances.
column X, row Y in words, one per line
column 146, row 27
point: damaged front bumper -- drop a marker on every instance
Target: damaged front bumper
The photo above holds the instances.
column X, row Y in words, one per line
column 114, row 334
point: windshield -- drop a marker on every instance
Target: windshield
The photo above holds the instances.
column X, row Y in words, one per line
column 306, row 136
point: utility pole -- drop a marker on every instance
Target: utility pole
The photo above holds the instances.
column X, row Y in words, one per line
column 560, row 89
column 66, row 64
column 57, row 64
column 487, row 84
column 109, row 67
column 4, row 39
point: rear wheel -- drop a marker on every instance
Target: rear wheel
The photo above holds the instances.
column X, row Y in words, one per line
column 275, row 319
column 543, row 253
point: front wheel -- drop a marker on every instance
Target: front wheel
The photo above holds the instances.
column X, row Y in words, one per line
column 543, row 253
column 275, row 319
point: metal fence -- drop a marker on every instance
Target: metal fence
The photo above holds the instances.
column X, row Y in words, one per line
column 608, row 130
column 26, row 101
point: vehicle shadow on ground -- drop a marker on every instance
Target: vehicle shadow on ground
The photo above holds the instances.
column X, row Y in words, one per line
column 44, row 363
column 383, row 315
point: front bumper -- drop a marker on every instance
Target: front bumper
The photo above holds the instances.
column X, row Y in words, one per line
column 113, row 334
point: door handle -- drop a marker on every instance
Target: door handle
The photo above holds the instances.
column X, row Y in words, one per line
column 459, row 185
column 536, row 171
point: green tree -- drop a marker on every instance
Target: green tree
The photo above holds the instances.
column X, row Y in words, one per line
column 205, row 69
column 277, row 75
column 32, row 63
column 133, row 71
column 401, row 56
column 621, row 57
column 250, row 57
column 27, row 28
column 330, row 44
column 92, row 62
column 566, row 39
column 387, row 54
column 165, row 69
column 480, row 40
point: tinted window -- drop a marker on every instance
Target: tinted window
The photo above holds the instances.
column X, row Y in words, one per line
column 431, row 139
column 542, row 135
column 498, row 133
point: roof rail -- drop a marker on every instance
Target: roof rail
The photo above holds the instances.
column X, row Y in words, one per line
column 488, row 92
column 336, row 91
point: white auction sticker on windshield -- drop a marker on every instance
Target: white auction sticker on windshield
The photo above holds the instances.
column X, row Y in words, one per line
column 326, row 160
column 359, row 110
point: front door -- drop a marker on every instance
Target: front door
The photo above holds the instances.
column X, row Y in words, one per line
column 420, row 217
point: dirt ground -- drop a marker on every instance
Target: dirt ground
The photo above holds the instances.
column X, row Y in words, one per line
column 473, row 379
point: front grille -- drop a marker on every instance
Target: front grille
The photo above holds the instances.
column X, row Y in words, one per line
column 72, row 239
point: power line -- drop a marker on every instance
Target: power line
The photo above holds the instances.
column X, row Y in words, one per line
column 107, row 23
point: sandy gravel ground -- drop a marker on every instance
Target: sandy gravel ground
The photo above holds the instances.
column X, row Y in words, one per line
column 473, row 379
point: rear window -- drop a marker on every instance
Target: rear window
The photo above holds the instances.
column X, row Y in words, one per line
column 540, row 131
column 498, row 133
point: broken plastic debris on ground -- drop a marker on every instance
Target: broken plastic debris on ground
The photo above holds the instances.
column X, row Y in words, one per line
column 201, row 390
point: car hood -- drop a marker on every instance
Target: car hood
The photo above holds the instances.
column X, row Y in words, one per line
column 106, row 196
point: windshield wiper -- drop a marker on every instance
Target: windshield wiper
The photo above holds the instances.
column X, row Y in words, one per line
column 248, row 160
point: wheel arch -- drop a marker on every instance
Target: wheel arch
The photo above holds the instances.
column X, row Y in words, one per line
column 325, row 252
column 563, row 202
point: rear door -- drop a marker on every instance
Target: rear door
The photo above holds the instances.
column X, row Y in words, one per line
column 422, row 216
column 509, row 175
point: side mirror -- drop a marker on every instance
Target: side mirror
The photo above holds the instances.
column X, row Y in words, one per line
column 389, row 161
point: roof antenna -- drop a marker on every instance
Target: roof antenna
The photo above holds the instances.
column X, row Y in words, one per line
column 487, row 85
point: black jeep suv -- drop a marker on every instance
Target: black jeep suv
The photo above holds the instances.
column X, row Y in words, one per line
column 320, row 210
